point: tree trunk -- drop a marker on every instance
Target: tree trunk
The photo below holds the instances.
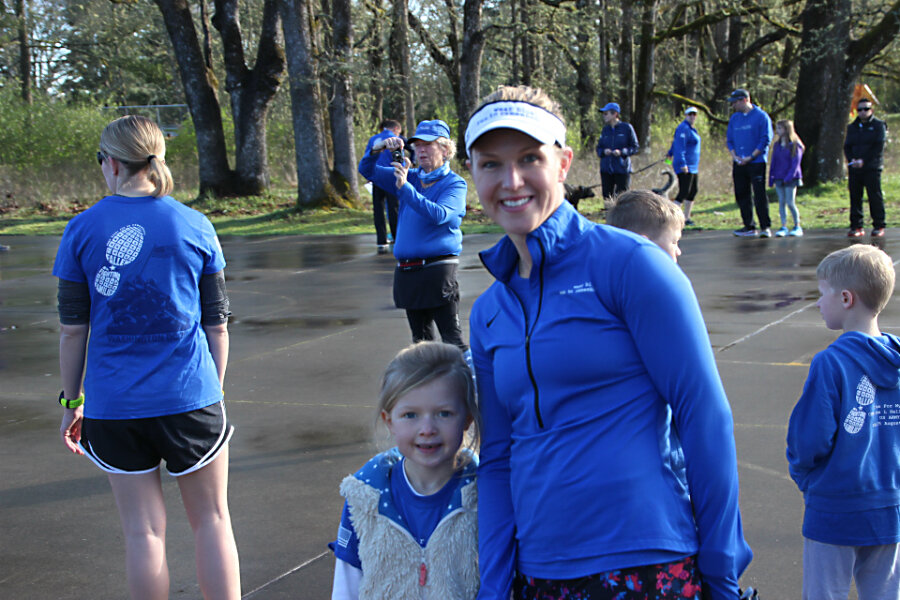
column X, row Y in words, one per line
column 626, row 61
column 200, row 93
column 24, row 50
column 830, row 64
column 584, row 83
column 341, row 107
column 309, row 138
column 469, row 69
column 251, row 91
column 603, row 66
column 401, row 98
column 646, row 77
column 376, row 54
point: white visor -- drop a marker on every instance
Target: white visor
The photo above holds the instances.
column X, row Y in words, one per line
column 532, row 120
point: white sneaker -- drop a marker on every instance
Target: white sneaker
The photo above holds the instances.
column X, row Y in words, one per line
column 781, row 232
column 765, row 232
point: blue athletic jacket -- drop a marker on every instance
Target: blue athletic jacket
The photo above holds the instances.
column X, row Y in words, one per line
column 582, row 384
column 428, row 219
column 685, row 149
column 843, row 444
column 621, row 137
column 749, row 132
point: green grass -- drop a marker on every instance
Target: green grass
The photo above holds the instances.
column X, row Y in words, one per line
column 822, row 207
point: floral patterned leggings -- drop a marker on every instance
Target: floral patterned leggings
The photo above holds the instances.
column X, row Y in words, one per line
column 669, row 581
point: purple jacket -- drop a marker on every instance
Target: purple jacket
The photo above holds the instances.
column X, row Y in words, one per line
column 785, row 167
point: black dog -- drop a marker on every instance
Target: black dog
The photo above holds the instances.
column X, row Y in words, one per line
column 577, row 193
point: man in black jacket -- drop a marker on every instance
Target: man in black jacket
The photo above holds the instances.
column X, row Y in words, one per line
column 864, row 151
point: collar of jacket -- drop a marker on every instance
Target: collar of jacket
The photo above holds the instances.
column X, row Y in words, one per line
column 562, row 230
column 377, row 474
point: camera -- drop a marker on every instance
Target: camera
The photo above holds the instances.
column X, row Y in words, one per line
column 397, row 155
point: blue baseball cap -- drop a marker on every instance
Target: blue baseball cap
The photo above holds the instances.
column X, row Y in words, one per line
column 611, row 106
column 738, row 94
column 428, row 131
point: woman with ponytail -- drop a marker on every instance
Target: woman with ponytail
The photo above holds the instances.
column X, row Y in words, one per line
column 141, row 277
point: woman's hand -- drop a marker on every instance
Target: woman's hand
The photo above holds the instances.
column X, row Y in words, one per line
column 400, row 171
column 391, row 143
column 70, row 429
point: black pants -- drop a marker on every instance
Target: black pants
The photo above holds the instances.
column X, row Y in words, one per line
column 614, row 184
column 750, row 190
column 870, row 179
column 687, row 187
column 379, row 199
column 446, row 317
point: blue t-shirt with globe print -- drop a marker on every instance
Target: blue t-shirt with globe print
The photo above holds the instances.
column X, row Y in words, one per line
column 142, row 259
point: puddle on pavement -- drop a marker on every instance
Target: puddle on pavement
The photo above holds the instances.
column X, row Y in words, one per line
column 285, row 253
column 297, row 322
column 757, row 301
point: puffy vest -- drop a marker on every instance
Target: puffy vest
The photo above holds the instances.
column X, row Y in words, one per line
column 396, row 567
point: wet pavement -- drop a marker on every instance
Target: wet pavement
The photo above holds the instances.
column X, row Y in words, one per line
column 313, row 328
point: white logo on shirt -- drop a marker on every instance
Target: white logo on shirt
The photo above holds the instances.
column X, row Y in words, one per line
column 578, row 288
column 121, row 249
column 865, row 395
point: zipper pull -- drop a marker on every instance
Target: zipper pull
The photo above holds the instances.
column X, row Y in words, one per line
column 423, row 574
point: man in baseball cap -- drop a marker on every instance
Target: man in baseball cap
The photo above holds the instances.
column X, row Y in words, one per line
column 748, row 137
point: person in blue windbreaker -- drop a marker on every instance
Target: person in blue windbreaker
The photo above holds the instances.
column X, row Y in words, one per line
column 617, row 144
column 432, row 203
column 605, row 465
column 747, row 138
column 685, row 155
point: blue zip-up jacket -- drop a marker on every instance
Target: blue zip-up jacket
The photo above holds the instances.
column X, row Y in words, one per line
column 843, row 443
column 428, row 219
column 749, row 132
column 621, row 137
column 580, row 469
column 384, row 159
column 685, row 149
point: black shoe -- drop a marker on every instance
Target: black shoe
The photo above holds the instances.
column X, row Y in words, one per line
column 746, row 231
column 689, row 222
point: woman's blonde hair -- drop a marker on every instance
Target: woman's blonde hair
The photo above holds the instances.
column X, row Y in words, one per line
column 422, row 363
column 138, row 144
column 523, row 93
column 447, row 146
column 790, row 135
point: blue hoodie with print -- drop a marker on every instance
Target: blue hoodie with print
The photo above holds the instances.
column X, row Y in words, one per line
column 843, row 443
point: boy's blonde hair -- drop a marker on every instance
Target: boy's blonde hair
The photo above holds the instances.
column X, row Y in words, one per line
column 138, row 143
column 422, row 363
column 865, row 270
column 645, row 213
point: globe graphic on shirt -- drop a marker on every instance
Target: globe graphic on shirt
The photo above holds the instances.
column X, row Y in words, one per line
column 125, row 245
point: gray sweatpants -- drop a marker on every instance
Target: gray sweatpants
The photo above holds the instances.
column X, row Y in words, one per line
column 827, row 570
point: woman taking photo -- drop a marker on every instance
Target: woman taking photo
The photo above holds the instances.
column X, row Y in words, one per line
column 432, row 203
column 579, row 347
column 140, row 275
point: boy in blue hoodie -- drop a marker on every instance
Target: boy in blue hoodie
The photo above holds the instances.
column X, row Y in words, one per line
column 843, row 444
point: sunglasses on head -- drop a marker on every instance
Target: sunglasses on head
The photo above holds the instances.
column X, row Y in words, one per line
column 100, row 157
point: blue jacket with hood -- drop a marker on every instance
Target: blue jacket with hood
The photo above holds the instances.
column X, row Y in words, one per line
column 428, row 218
column 843, row 443
column 582, row 384
column 685, row 148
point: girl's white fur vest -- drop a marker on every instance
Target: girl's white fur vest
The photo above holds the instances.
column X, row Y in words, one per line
column 395, row 566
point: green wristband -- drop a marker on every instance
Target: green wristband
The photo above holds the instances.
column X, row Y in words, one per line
column 75, row 403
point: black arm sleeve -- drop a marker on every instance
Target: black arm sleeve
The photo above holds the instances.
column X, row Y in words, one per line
column 214, row 303
column 73, row 302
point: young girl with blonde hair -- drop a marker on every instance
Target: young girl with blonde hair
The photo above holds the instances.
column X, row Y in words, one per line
column 785, row 174
column 409, row 524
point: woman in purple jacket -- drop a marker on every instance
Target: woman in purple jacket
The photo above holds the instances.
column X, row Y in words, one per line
column 785, row 174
